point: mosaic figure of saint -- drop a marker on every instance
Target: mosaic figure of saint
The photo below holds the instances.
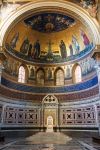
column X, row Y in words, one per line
column 85, row 38
column 14, row 40
column 30, row 50
column 25, row 46
column 75, row 44
column 63, row 50
column 49, row 74
column 32, row 72
column 36, row 53
column 71, row 49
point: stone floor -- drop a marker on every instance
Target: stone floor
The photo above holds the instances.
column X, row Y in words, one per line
column 51, row 141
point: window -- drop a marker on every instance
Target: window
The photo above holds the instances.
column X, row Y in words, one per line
column 59, row 77
column 78, row 74
column 21, row 75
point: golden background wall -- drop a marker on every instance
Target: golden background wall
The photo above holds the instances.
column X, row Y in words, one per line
column 56, row 37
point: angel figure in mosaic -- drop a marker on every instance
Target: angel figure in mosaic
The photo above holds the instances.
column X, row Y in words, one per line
column 92, row 9
column 91, row 6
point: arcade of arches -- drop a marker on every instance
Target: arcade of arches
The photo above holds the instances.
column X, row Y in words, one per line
column 49, row 74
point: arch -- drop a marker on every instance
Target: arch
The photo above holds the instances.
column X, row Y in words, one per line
column 77, row 10
column 22, row 74
column 59, row 77
column 40, row 77
column 50, row 98
column 76, row 73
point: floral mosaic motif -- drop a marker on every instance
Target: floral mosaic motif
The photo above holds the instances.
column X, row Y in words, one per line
column 49, row 22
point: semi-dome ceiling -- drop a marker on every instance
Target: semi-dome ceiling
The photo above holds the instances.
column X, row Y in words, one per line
column 49, row 37
column 49, row 22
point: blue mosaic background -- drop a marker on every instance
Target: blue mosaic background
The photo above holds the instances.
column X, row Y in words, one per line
column 49, row 22
column 63, row 89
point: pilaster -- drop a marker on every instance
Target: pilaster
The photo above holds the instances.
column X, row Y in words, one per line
column 96, row 56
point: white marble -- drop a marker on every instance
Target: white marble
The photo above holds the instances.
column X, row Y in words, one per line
column 52, row 141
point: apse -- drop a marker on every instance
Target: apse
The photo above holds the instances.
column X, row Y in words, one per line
column 49, row 37
column 49, row 73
